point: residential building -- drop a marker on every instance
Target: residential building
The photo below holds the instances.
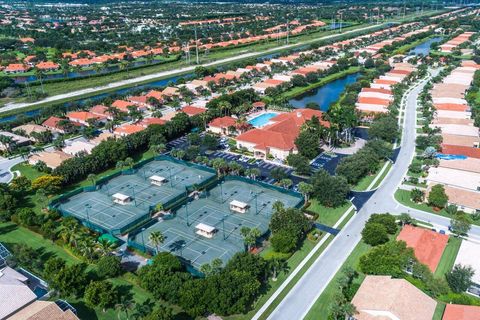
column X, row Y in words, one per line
column 128, row 129
column 381, row 297
column 14, row 292
column 79, row 146
column 277, row 139
column 16, row 139
column 427, row 245
column 468, row 256
column 461, row 312
column 44, row 310
column 222, row 125
column 51, row 158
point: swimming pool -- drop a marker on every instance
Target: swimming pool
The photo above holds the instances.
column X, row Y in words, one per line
column 262, row 120
column 450, row 156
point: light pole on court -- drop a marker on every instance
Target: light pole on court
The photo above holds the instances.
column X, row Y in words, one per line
column 143, row 240
column 87, row 207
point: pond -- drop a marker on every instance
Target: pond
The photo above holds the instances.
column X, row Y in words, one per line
column 424, row 47
column 326, row 95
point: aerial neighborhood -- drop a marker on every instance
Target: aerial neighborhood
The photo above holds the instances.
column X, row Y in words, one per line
column 182, row 160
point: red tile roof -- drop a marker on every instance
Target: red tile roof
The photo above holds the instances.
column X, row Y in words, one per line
column 122, row 105
column 191, row 110
column 47, row 65
column 281, row 134
column 461, row 312
column 138, row 99
column 223, row 122
column 83, row 116
column 51, row 122
column 461, row 150
column 377, row 101
column 16, row 67
column 427, row 245
column 127, row 129
column 148, row 121
column 377, row 90
column 451, row 106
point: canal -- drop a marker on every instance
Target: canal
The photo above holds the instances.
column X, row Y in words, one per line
column 424, row 47
column 326, row 95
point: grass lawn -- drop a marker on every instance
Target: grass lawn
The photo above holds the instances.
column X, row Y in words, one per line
column 328, row 216
column 438, row 315
column 11, row 234
column 27, row 171
column 365, row 182
column 403, row 196
column 448, row 257
column 322, row 305
column 384, row 174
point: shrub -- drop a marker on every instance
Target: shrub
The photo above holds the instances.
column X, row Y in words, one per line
column 374, row 234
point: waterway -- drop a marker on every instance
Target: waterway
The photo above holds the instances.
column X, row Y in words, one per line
column 424, row 47
column 326, row 95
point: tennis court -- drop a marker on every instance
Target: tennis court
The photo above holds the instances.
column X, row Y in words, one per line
column 213, row 209
column 98, row 208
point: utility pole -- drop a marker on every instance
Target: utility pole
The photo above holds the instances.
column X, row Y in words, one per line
column 288, row 31
column 196, row 45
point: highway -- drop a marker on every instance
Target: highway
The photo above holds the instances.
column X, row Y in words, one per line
column 307, row 290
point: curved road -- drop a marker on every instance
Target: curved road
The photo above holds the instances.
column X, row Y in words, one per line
column 13, row 106
column 306, row 291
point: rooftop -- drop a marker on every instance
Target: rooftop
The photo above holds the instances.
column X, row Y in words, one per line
column 427, row 245
column 381, row 297
column 468, row 256
column 461, row 312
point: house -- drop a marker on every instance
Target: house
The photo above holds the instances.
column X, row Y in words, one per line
column 461, row 312
column 222, row 125
column 16, row 139
column 277, row 139
column 43, row 310
column 16, row 68
column 140, row 101
column 381, row 297
column 101, row 110
column 122, row 105
column 149, row 121
column 427, row 245
column 48, row 66
column 52, row 124
column 79, row 146
column 85, row 117
column 193, row 111
column 468, row 256
column 52, row 159
column 29, row 128
column 128, row 129
column 14, row 292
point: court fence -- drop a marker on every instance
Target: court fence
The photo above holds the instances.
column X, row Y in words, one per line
column 171, row 203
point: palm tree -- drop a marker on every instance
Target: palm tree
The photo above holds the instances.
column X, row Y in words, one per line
column 306, row 189
column 156, row 238
column 159, row 148
column 6, row 142
column 124, row 305
column 39, row 74
column 104, row 246
column 250, row 236
column 129, row 162
column 286, row 183
column 278, row 266
column 92, row 178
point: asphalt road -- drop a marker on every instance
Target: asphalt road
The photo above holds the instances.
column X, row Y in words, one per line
column 72, row 94
column 306, row 291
